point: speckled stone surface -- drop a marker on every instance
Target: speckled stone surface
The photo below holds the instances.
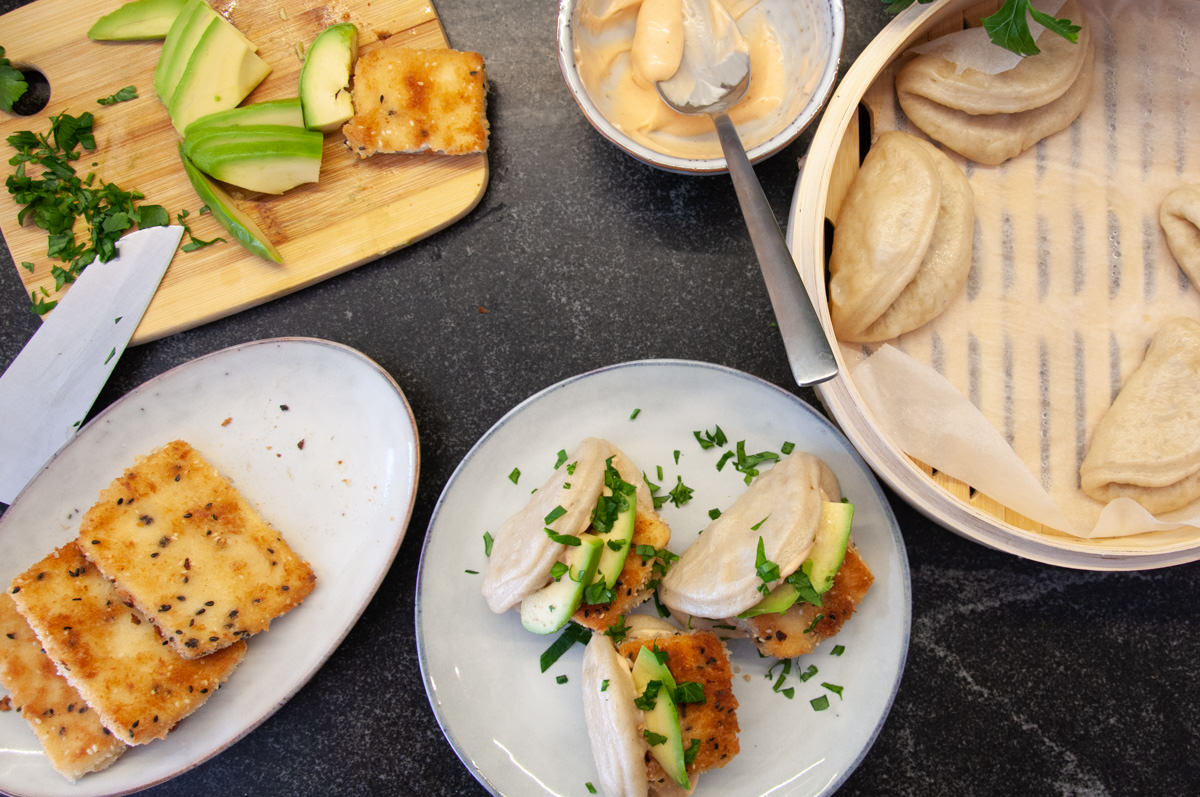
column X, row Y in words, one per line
column 1021, row 678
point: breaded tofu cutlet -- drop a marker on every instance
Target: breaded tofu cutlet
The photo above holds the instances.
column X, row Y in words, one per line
column 190, row 552
column 798, row 630
column 699, row 657
column 409, row 100
column 632, row 587
column 75, row 741
column 137, row 684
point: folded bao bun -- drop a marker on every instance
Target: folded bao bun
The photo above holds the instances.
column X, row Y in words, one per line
column 1179, row 216
column 902, row 242
column 991, row 117
column 716, row 577
column 624, row 763
column 1147, row 445
column 522, row 553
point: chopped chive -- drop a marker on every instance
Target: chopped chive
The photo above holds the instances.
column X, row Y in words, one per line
column 487, row 543
column 787, row 447
column 808, row 673
column 561, row 679
column 555, row 514
column 591, row 789
column 728, row 455
column 835, row 688
column 820, row 703
column 472, row 572
column 562, row 539
column 837, row 650
column 604, row 685
column 636, row 412
column 675, row 454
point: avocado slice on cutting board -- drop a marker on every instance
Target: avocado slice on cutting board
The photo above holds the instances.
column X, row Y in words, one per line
column 185, row 31
column 221, row 71
column 325, row 77
column 549, row 609
column 269, row 112
column 232, row 218
column 266, row 158
column 662, row 720
column 137, row 20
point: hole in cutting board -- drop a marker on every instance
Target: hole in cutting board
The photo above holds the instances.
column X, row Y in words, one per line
column 36, row 97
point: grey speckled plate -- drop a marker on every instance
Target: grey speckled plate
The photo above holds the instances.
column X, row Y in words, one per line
column 342, row 498
column 520, row 731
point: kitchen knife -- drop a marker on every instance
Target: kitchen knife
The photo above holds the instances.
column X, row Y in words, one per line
column 47, row 390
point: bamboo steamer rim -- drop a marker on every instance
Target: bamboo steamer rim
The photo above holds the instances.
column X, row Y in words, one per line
column 947, row 501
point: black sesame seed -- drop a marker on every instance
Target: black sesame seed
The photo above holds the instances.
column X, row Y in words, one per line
column 208, row 603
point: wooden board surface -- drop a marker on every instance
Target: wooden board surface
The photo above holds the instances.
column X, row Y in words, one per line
column 360, row 209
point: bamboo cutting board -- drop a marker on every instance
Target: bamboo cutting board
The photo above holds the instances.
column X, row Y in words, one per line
column 361, row 208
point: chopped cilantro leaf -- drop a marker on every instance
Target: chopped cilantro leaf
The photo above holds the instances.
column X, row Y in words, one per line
column 653, row 739
column 689, row 692
column 571, row 634
column 689, row 755
column 12, row 83
column 127, row 93
column 562, row 539
column 562, row 457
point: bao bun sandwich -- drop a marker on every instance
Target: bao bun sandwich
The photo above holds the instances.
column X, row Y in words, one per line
column 565, row 555
column 778, row 564
column 659, row 708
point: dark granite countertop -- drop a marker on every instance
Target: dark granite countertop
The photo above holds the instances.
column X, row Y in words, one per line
column 1021, row 678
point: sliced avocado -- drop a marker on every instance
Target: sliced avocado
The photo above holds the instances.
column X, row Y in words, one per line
column 239, row 225
column 185, row 31
column 266, row 158
column 270, row 112
column 221, row 71
column 549, row 609
column 137, row 20
column 833, row 534
column 325, row 77
column 819, row 569
column 618, row 539
column 662, row 721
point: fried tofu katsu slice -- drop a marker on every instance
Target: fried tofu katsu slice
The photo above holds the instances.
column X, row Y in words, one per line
column 700, row 657
column 798, row 630
column 632, row 587
column 187, row 549
column 119, row 663
column 409, row 100
column 75, row 741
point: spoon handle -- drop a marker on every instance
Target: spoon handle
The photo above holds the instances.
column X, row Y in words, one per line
column 807, row 346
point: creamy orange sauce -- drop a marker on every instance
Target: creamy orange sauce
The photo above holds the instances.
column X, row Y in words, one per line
column 623, row 46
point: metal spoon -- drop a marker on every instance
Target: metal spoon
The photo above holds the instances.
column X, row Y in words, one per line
column 712, row 76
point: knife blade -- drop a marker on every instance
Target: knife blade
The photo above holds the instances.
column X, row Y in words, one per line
column 47, row 391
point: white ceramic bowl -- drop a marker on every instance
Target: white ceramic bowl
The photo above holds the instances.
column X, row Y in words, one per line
column 811, row 33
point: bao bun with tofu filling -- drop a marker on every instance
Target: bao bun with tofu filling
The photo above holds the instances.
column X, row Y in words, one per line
column 717, row 576
column 529, row 556
column 636, row 754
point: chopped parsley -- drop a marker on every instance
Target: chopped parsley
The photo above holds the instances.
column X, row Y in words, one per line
column 689, row 755
column 747, row 464
column 554, row 514
column 714, row 513
column 514, row 475
column 708, row 439
column 562, row 457
column 689, row 692
column 571, row 634
column 767, row 570
column 653, row 739
column 617, row 631
column 680, row 494
column 649, row 696
column 12, row 83
column 123, row 95
column 598, row 592
column 562, row 539
column 558, row 570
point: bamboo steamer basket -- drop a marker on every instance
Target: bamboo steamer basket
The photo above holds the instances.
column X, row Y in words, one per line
column 830, row 167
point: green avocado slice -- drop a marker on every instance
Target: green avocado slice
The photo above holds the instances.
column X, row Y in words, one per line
column 222, row 206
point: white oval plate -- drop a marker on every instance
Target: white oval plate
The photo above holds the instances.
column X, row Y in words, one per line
column 518, row 730
column 342, row 500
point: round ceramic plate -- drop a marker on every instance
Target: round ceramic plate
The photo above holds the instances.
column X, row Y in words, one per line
column 521, row 731
column 320, row 439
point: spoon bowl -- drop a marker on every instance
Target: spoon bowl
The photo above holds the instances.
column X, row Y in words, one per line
column 809, row 33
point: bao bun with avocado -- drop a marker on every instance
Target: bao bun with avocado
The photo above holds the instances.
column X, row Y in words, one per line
column 564, row 555
column 777, row 565
column 659, row 708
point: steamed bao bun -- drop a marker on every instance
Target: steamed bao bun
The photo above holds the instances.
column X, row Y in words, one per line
column 902, row 243
column 991, row 117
